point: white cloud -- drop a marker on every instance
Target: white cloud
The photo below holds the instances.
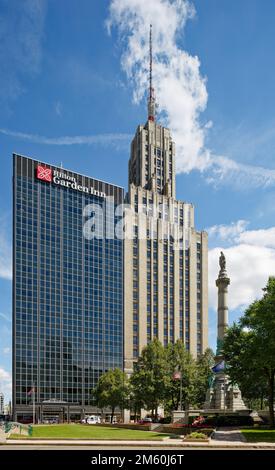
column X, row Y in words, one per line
column 6, row 383
column 180, row 88
column 223, row 170
column 102, row 139
column 227, row 232
column 58, row 108
column 4, row 375
column 259, row 237
column 6, row 350
column 5, row 317
column 21, row 34
column 249, row 142
column 250, row 261
column 5, row 251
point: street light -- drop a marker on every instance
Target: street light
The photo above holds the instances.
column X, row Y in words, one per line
column 178, row 376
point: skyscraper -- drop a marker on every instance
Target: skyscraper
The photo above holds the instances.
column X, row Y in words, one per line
column 166, row 258
column 67, row 288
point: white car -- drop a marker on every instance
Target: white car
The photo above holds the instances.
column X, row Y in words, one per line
column 93, row 419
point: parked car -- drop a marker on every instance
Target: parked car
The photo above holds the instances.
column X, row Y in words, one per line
column 92, row 419
column 108, row 419
column 145, row 421
column 51, row 421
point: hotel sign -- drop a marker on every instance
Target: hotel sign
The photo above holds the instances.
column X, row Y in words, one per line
column 44, row 174
column 61, row 178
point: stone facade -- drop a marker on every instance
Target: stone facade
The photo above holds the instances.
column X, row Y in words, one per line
column 166, row 259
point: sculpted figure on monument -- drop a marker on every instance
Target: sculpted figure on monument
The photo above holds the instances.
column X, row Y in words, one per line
column 222, row 262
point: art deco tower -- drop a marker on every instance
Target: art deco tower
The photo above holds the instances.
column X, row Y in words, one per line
column 166, row 259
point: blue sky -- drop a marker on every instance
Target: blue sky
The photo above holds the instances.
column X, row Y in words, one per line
column 62, row 77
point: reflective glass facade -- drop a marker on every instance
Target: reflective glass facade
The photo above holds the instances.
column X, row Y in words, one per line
column 67, row 289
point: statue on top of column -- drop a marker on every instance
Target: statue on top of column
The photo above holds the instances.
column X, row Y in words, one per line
column 222, row 262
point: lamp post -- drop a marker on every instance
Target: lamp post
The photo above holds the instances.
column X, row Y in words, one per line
column 178, row 376
column 180, row 391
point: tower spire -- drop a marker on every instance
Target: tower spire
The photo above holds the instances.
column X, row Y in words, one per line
column 151, row 104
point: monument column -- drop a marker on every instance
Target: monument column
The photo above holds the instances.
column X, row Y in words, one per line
column 222, row 283
column 222, row 396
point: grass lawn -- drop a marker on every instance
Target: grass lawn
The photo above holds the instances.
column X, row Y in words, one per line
column 78, row 431
column 259, row 435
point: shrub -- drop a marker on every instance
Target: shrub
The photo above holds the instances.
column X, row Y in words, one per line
column 229, row 420
column 176, row 430
column 166, row 420
column 178, row 425
column 211, row 420
column 206, row 431
column 187, row 428
column 196, row 435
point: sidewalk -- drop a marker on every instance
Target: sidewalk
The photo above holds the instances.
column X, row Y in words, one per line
column 229, row 435
column 177, row 443
column 2, row 437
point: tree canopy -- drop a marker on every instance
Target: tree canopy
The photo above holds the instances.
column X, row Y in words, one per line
column 149, row 377
column 169, row 376
column 181, row 391
column 249, row 348
column 112, row 390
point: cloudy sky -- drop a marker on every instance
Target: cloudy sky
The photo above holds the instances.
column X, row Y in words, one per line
column 73, row 82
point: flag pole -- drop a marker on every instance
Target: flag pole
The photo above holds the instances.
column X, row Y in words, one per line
column 224, row 395
column 33, row 403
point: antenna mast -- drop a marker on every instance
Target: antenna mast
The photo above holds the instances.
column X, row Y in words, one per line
column 151, row 95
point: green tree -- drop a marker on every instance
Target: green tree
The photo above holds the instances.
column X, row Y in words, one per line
column 204, row 374
column 249, row 346
column 238, row 349
column 112, row 390
column 149, row 377
column 135, row 395
column 179, row 360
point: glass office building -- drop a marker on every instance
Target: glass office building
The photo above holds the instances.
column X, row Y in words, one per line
column 67, row 288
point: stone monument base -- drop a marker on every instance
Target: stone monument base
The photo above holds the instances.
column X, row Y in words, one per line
column 183, row 416
column 222, row 395
column 179, row 416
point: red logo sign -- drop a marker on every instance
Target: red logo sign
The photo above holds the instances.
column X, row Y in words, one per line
column 43, row 173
